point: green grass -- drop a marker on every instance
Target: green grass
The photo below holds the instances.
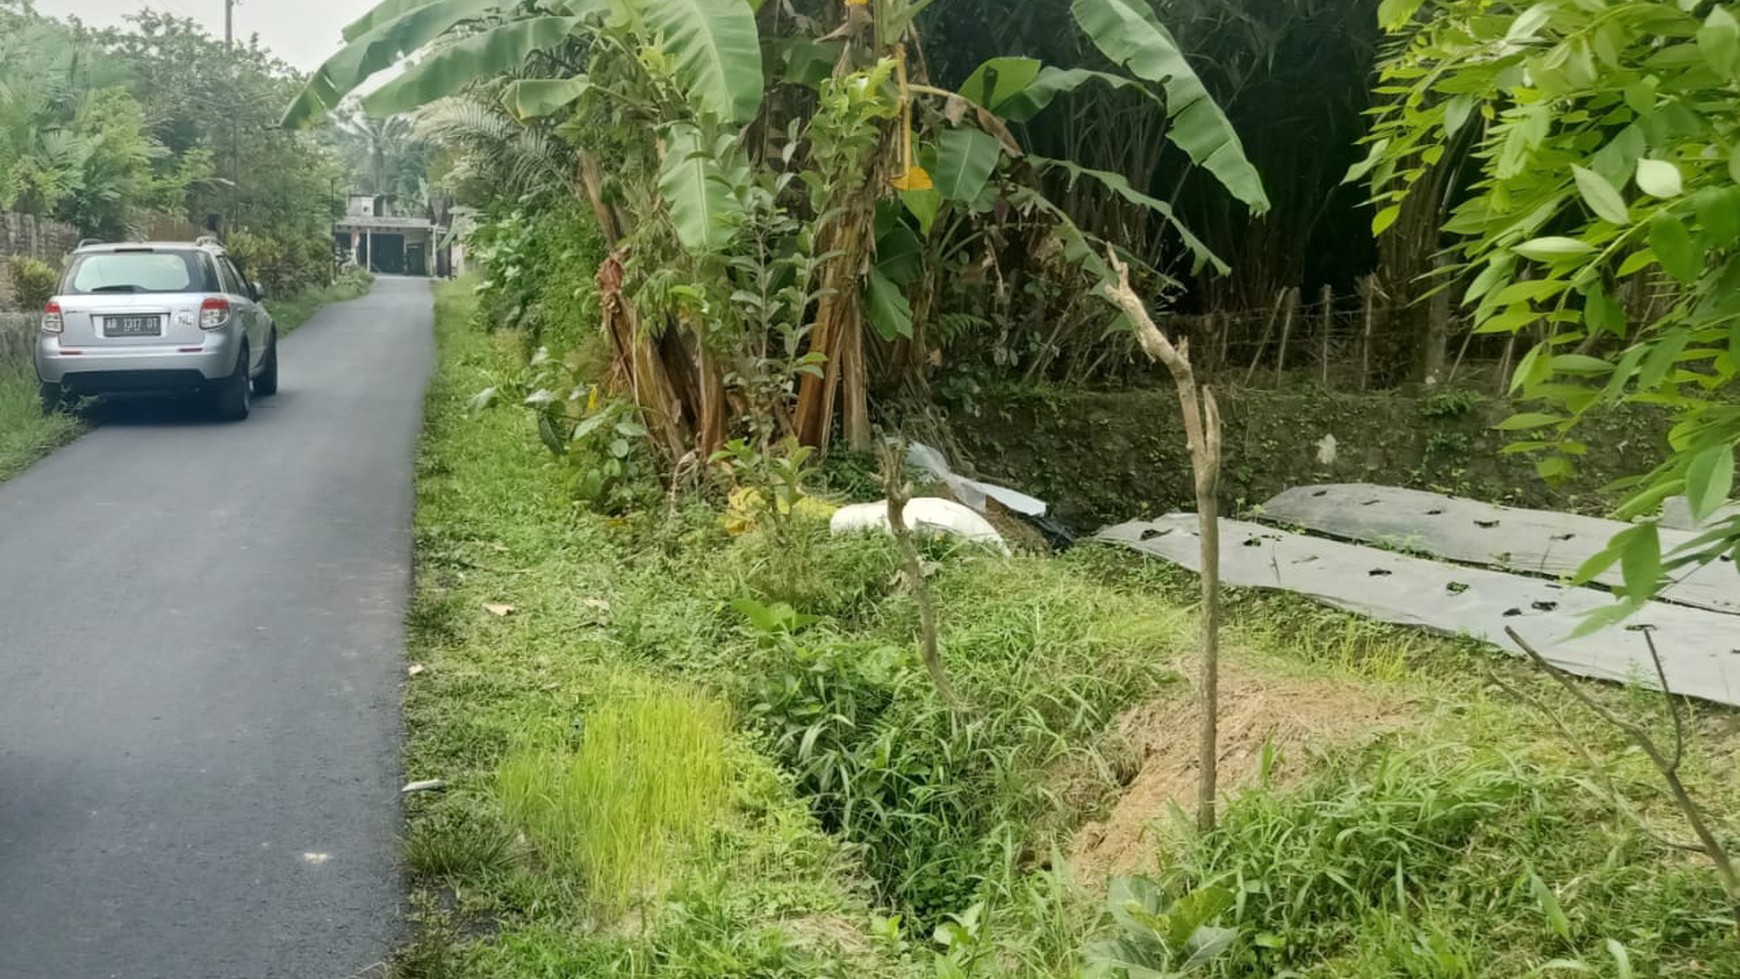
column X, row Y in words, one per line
column 291, row 313
column 839, row 812
column 26, row 435
column 645, row 785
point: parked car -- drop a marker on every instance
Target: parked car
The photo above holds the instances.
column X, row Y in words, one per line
column 157, row 316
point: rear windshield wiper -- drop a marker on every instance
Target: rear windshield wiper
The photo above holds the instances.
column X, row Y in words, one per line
column 117, row 289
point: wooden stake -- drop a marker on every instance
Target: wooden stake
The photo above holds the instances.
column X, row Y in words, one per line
column 1202, row 429
column 1286, row 331
column 1263, row 344
column 1328, row 324
column 1369, row 287
column 1504, row 365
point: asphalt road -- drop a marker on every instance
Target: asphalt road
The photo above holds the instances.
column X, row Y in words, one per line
column 201, row 651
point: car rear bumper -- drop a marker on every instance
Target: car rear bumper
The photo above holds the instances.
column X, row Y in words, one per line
column 95, row 370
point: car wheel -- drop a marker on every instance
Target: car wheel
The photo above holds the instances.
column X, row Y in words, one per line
column 233, row 396
column 267, row 382
column 54, row 398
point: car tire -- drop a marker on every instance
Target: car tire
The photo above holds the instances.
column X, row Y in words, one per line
column 54, row 398
column 233, row 396
column 267, row 382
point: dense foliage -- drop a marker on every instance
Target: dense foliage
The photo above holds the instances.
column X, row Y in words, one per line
column 1602, row 225
column 116, row 130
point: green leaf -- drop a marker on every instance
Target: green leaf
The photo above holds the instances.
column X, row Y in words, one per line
column 1117, row 184
column 1673, row 246
column 1621, row 959
column 1658, row 178
column 1602, row 313
column 924, row 205
column 1640, row 562
column 887, row 307
column 1382, row 220
column 899, row 255
column 1550, row 907
column 1662, row 357
column 1578, row 364
column 1710, row 479
column 534, row 98
column 383, row 37
column 1127, row 32
column 715, row 50
column 1527, row 420
column 1602, row 197
column 497, row 51
column 1394, row 14
column 1000, row 79
column 692, row 182
column 1052, row 82
column 965, row 157
column 1718, row 211
column 1552, row 248
column 1456, row 113
column 1719, row 40
column 1373, row 157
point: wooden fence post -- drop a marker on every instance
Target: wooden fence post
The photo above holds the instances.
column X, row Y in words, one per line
column 1286, row 329
column 1368, row 285
column 1328, row 323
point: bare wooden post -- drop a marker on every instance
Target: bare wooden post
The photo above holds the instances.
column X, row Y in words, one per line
column 1223, row 324
column 1328, row 323
column 1268, row 329
column 1286, row 330
column 1368, row 286
column 899, row 493
column 1202, row 429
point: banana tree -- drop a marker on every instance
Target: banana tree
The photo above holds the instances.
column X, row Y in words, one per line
column 894, row 166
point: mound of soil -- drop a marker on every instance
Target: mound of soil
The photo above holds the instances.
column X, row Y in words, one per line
column 1298, row 716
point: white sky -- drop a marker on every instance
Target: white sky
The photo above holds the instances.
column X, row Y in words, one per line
column 302, row 32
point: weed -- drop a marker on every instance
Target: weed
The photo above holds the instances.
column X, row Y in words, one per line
column 646, row 781
column 25, row 433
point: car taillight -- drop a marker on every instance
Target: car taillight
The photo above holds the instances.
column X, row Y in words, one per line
column 51, row 319
column 213, row 312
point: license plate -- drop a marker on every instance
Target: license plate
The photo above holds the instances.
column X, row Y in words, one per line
column 133, row 326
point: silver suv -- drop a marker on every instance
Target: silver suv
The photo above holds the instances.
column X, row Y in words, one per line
column 157, row 316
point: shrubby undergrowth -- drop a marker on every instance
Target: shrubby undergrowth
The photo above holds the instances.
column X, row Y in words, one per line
column 873, row 830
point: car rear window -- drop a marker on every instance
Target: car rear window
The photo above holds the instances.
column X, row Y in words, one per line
column 135, row 272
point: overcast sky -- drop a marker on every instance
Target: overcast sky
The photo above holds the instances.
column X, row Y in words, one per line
column 302, row 32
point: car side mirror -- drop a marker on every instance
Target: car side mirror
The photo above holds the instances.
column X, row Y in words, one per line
column 258, row 290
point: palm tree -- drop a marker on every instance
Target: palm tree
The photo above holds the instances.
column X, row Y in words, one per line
column 379, row 145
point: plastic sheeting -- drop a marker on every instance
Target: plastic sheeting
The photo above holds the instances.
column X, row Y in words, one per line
column 1700, row 648
column 923, row 515
column 1529, row 541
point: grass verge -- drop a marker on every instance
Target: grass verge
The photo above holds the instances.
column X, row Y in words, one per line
column 834, row 817
column 26, row 435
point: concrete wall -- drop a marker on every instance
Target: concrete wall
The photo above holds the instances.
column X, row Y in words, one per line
column 17, row 333
column 23, row 235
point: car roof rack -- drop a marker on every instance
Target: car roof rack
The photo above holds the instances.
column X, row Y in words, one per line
column 87, row 242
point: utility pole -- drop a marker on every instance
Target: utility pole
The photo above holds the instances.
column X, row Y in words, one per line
column 235, row 142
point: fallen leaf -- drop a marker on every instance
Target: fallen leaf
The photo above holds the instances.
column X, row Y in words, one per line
column 426, row 785
column 495, row 609
column 415, row 669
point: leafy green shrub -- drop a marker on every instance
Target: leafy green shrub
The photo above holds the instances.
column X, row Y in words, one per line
column 284, row 263
column 33, row 282
column 945, row 801
column 539, row 265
